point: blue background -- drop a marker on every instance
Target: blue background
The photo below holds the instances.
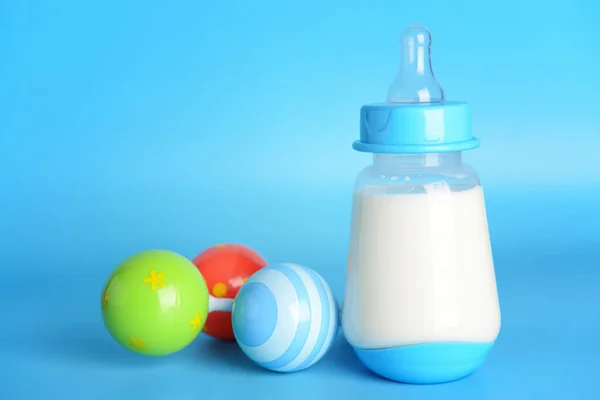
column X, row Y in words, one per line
column 130, row 125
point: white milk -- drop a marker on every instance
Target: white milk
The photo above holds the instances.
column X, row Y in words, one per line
column 420, row 270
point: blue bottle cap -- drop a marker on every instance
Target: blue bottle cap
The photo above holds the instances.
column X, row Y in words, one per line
column 416, row 118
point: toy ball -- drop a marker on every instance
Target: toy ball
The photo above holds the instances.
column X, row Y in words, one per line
column 155, row 303
column 225, row 268
column 285, row 317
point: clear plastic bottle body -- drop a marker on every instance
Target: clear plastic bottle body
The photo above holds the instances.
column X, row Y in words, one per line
column 420, row 266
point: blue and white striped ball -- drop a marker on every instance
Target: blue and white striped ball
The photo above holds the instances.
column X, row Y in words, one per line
column 285, row 317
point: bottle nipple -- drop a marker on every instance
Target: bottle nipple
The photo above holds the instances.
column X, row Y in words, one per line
column 415, row 82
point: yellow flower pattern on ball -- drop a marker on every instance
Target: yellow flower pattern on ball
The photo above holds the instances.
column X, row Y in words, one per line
column 138, row 344
column 196, row 322
column 155, row 279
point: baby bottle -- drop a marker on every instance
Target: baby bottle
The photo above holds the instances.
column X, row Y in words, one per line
column 421, row 303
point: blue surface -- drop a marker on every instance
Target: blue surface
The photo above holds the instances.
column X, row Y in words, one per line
column 136, row 125
column 421, row 128
column 428, row 364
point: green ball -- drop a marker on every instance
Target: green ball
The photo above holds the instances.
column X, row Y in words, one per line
column 155, row 303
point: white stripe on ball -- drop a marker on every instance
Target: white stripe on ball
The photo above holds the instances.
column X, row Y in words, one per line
column 333, row 321
column 316, row 305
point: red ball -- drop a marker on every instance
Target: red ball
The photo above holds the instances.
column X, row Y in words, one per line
column 225, row 268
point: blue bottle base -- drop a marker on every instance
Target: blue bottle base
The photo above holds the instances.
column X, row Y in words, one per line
column 426, row 363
